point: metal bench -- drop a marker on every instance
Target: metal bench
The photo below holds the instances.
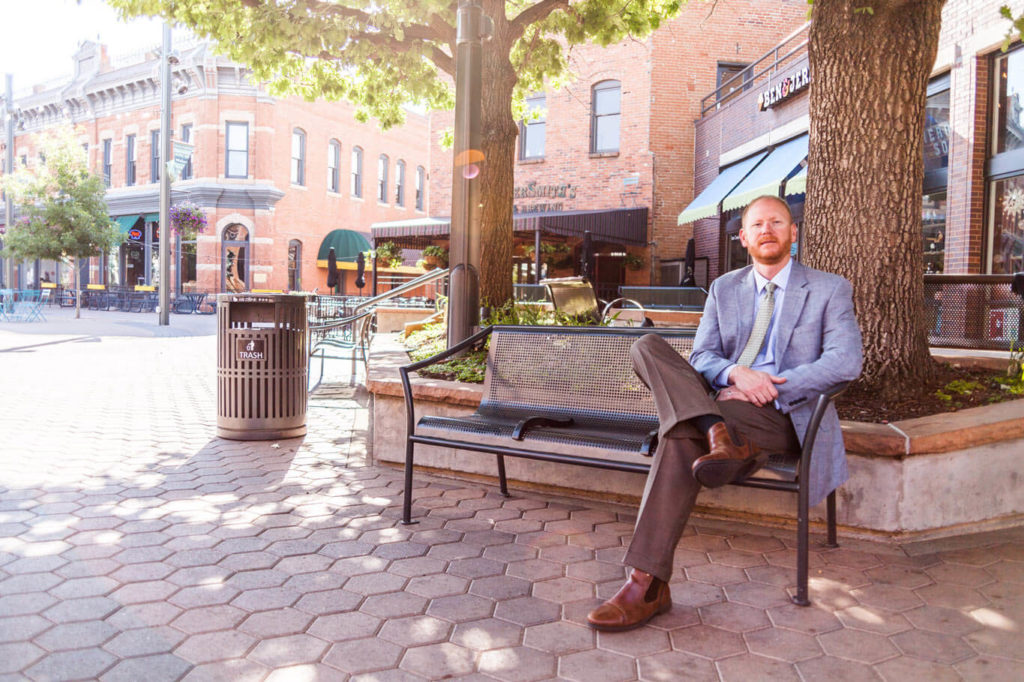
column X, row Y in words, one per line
column 569, row 395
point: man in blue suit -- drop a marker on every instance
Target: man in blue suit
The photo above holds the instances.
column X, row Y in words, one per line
column 773, row 336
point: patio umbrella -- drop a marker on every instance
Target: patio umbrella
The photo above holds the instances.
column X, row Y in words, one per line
column 586, row 256
column 332, row 269
column 361, row 272
column 691, row 257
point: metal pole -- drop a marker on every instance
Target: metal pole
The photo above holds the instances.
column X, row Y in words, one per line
column 8, row 169
column 165, row 179
column 464, row 277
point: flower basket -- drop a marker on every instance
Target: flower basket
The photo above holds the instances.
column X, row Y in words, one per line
column 187, row 220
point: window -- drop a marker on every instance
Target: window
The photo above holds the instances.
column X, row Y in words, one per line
column 533, row 128
column 1005, row 167
column 129, row 161
column 236, row 163
column 154, row 155
column 186, row 136
column 107, row 161
column 382, row 177
column 421, row 180
column 936, row 173
column 357, row 171
column 298, row 157
column 606, row 102
column 333, row 165
column 294, row 265
column 726, row 73
column 399, row 183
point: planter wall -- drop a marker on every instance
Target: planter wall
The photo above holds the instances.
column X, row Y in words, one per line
column 950, row 474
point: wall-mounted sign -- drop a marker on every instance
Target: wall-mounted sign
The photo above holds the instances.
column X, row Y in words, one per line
column 535, row 190
column 789, row 86
column 135, row 234
column 251, row 349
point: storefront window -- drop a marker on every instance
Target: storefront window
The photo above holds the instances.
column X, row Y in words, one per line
column 933, row 221
column 187, row 267
column 1009, row 115
column 1006, row 249
column 936, row 132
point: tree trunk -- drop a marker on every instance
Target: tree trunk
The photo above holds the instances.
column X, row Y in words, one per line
column 498, row 142
column 866, row 170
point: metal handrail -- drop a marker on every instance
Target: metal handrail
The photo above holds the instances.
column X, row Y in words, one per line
column 426, row 278
column 748, row 72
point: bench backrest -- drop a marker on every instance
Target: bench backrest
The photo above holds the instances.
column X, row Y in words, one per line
column 582, row 372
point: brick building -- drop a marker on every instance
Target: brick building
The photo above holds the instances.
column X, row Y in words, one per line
column 613, row 151
column 973, row 203
column 277, row 177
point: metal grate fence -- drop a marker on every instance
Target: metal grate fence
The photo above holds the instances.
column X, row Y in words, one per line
column 973, row 311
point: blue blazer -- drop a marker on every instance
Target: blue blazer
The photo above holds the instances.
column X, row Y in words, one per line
column 818, row 346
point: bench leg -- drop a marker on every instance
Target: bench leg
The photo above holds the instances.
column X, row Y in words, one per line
column 407, row 500
column 802, row 547
column 502, row 481
column 831, row 505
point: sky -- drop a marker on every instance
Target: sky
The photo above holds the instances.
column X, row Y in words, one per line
column 39, row 37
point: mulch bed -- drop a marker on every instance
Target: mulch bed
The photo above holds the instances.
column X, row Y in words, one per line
column 859, row 404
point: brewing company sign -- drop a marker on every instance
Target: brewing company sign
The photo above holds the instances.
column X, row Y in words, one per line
column 782, row 90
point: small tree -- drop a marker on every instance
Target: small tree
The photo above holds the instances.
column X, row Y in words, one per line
column 62, row 206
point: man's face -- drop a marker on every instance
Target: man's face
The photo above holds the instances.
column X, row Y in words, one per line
column 767, row 233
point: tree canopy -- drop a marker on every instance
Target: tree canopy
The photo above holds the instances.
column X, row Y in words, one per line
column 63, row 212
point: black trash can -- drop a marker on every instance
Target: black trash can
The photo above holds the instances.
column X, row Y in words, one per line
column 262, row 361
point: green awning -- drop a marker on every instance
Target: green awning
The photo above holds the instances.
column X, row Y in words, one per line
column 769, row 174
column 151, row 217
column 126, row 222
column 347, row 245
column 706, row 203
column 798, row 183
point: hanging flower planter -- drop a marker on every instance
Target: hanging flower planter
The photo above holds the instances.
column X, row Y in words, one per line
column 187, row 220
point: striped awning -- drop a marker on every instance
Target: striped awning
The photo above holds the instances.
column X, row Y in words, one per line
column 798, row 183
column 769, row 174
column 626, row 226
column 706, row 203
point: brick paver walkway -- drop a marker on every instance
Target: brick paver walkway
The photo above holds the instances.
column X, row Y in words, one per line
column 134, row 545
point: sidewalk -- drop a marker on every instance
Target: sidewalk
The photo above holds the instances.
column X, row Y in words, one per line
column 134, row 545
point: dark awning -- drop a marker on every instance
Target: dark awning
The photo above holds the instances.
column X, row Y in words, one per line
column 347, row 245
column 620, row 226
column 126, row 222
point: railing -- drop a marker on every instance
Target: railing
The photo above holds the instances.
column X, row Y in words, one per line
column 973, row 311
column 790, row 47
column 667, row 298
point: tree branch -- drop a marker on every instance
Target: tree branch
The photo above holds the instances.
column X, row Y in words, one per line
column 535, row 13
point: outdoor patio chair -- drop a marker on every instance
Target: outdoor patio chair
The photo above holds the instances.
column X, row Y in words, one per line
column 575, row 297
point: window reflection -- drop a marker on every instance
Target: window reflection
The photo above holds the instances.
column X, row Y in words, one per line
column 1009, row 107
column 933, row 221
column 1007, row 246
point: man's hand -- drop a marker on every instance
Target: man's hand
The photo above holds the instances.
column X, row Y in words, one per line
column 755, row 386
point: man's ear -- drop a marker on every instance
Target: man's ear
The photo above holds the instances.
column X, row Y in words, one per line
column 743, row 237
column 794, row 233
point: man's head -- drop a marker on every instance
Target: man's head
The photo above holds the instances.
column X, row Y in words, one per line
column 768, row 230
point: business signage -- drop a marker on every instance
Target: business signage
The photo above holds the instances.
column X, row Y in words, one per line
column 135, row 234
column 181, row 154
column 251, row 349
column 796, row 82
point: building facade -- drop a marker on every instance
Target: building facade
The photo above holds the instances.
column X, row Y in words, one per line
column 275, row 176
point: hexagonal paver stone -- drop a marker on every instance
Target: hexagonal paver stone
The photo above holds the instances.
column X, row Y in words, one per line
column 209, row 618
column 215, row 646
column 500, row 587
column 291, row 650
column 266, row 599
column 87, row 608
column 476, row 568
column 81, row 664
column 932, row 646
column 985, row 668
column 328, row 601
column 144, row 641
column 559, row 637
column 635, row 643
column 394, row 605
column 708, row 641
column 308, row 672
column 855, row 645
column 34, row 582
column 343, row 626
column 159, row 667
column 363, row 655
column 518, row 664
column 938, row 619
column 757, row 595
column 595, row 664
column 535, row 569
column 276, row 623
column 735, row 617
column 461, row 608
column 437, row 585
column 76, row 635
column 436, row 661
column 716, row 574
column 203, row 595
column 832, row 668
column 15, row 657
column 22, row 628
column 753, row 667
column 415, row 631
column 671, row 666
column 142, row 592
column 375, row 583
column 527, row 611
column 888, row 597
column 24, row 604
column 563, row 590
column 487, row 633
column 807, row 619
column 785, row 645
column 234, row 670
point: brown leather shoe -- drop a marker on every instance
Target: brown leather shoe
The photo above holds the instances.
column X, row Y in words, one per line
column 642, row 597
column 726, row 461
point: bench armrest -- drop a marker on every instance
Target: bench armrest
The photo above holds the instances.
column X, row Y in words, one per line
column 404, row 370
column 812, row 426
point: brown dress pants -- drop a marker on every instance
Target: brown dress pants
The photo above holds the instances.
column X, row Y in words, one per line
column 681, row 394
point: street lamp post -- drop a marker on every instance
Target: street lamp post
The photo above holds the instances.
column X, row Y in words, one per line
column 165, row 179
column 8, row 169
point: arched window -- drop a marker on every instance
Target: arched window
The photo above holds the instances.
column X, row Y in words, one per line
column 382, row 177
column 399, row 183
column 606, row 112
column 357, row 171
column 421, row 186
column 333, row 165
column 298, row 157
column 234, row 258
column 294, row 265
